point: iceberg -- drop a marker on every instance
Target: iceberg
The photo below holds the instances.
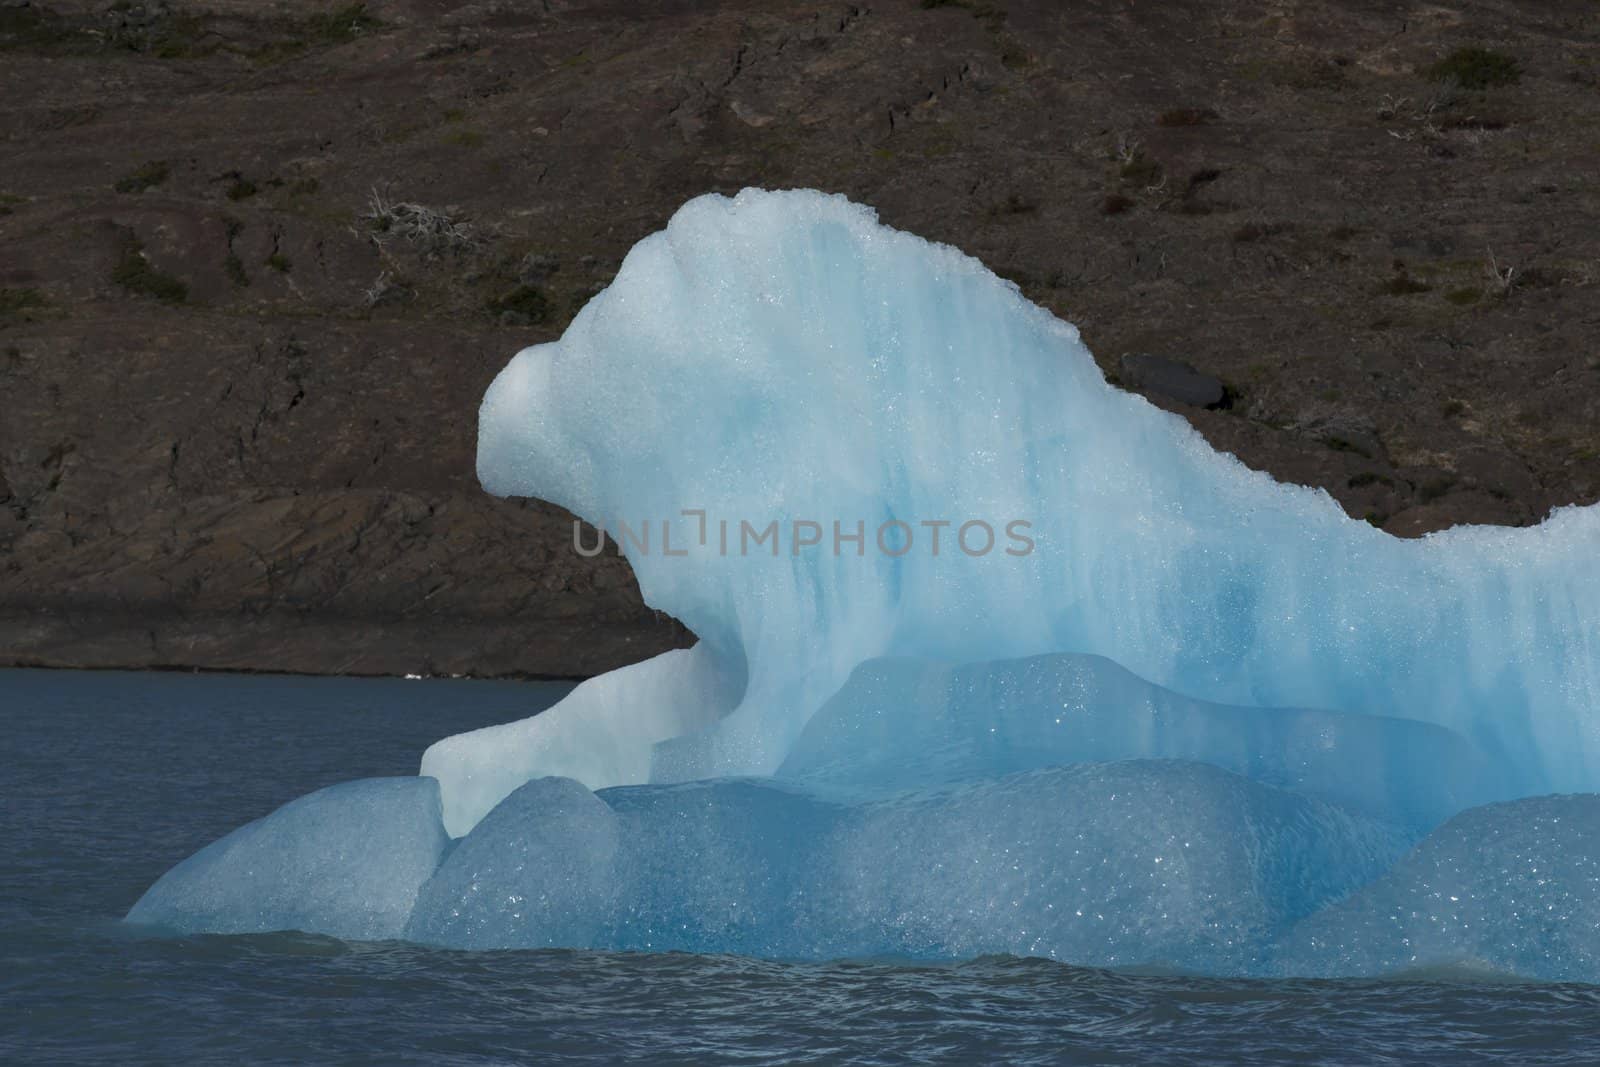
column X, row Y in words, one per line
column 993, row 657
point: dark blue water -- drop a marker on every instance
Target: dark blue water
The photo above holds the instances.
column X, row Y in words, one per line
column 107, row 779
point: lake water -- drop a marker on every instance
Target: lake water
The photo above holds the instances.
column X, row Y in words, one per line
column 108, row 779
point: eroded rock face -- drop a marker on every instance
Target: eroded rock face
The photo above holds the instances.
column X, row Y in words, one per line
column 242, row 340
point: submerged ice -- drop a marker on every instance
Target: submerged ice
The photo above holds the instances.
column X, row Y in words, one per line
column 1165, row 711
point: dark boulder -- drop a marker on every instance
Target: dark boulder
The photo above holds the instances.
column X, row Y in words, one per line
column 1172, row 380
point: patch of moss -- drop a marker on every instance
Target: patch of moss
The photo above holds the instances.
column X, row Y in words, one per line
column 1465, row 295
column 241, row 188
column 1403, row 284
column 1014, row 55
column 1366, row 478
column 1312, row 74
column 1476, row 68
column 1014, row 204
column 19, row 305
column 234, row 266
column 343, row 24
column 148, row 176
column 1430, row 491
column 162, row 33
column 464, row 138
column 298, row 36
column 1186, row 116
column 1340, row 444
column 1116, row 204
column 32, row 29
column 527, row 301
column 1258, row 231
column 279, row 262
column 134, row 273
column 979, row 9
column 1451, row 408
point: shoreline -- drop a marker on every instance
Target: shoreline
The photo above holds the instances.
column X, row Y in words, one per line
column 174, row 668
column 541, row 650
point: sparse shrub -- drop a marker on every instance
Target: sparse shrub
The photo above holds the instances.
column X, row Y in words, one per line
column 388, row 288
column 1476, row 68
column 148, row 176
column 241, row 188
column 1451, row 408
column 1365, row 478
column 1116, row 204
column 343, row 24
column 134, row 273
column 1501, row 279
column 279, row 262
column 525, row 303
column 1464, row 296
column 430, row 232
column 1139, row 169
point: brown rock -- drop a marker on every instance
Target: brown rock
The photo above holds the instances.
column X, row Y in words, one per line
column 276, row 470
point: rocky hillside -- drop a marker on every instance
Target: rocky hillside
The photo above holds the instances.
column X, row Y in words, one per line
column 259, row 261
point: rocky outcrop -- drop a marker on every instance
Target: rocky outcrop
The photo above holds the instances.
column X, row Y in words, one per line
column 259, row 267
